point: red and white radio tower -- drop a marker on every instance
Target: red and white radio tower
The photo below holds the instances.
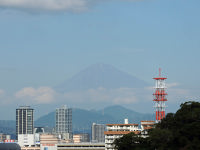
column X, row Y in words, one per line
column 160, row 97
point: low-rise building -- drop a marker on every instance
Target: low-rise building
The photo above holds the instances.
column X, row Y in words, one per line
column 80, row 138
column 4, row 137
column 37, row 132
column 49, row 141
column 81, row 146
column 30, row 148
column 115, row 131
column 26, row 140
column 145, row 126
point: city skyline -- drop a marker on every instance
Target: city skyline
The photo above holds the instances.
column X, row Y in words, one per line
column 42, row 47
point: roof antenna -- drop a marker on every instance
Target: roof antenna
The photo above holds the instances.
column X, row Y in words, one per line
column 159, row 72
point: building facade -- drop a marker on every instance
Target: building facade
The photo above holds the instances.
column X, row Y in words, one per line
column 37, row 132
column 48, row 141
column 81, row 138
column 26, row 140
column 98, row 133
column 24, row 120
column 64, row 122
column 81, row 146
column 4, row 137
column 115, row 131
column 146, row 126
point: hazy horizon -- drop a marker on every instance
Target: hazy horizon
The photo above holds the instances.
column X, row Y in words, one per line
column 47, row 42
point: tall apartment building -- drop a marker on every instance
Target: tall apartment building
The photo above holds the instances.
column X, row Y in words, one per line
column 24, row 120
column 64, row 122
column 98, row 133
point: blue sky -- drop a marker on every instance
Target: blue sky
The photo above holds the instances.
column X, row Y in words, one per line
column 43, row 44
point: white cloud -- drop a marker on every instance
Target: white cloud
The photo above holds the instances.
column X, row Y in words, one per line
column 107, row 96
column 41, row 95
column 96, row 97
column 46, row 5
column 170, row 85
column 175, row 92
column 51, row 5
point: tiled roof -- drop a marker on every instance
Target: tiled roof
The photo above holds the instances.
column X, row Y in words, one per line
column 147, row 128
column 147, row 121
column 120, row 132
column 122, row 124
column 148, row 124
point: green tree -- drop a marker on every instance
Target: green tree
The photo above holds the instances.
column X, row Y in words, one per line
column 179, row 131
column 131, row 141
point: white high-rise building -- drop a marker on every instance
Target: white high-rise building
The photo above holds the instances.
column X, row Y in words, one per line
column 64, row 122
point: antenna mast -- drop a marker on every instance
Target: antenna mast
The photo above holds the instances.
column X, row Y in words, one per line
column 160, row 97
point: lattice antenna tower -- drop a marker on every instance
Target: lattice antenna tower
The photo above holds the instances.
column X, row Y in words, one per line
column 160, row 97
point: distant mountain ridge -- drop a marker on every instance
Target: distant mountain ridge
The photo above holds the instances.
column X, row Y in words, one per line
column 100, row 75
column 119, row 113
column 83, row 119
column 8, row 127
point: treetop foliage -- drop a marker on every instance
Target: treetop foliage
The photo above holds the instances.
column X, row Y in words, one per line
column 179, row 131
